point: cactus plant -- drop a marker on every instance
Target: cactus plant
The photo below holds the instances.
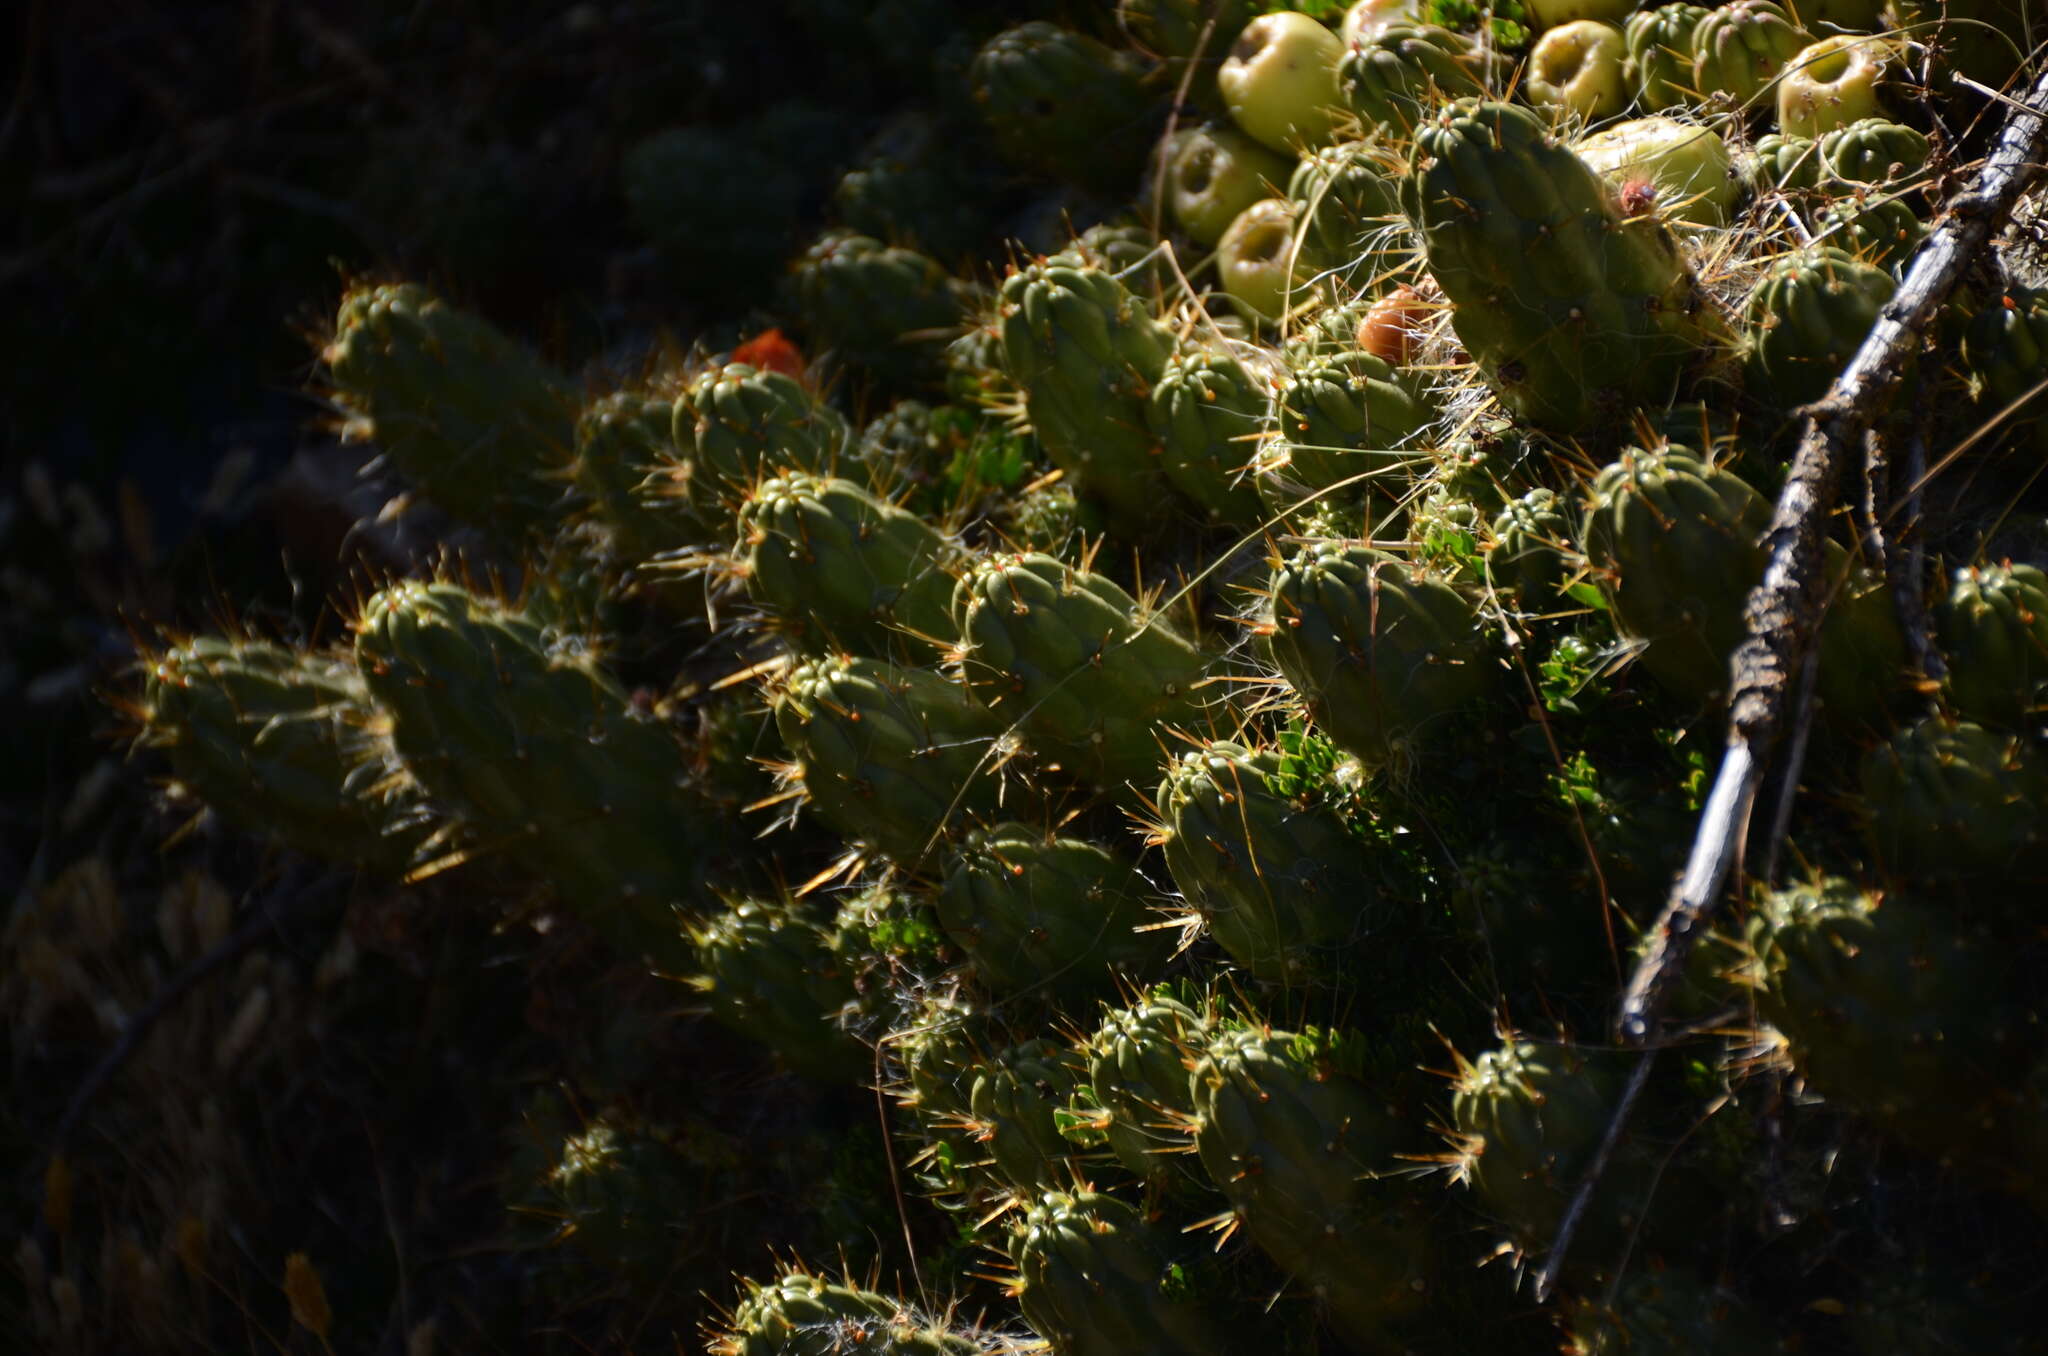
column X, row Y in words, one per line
column 1277, row 879
column 1379, row 653
column 1396, row 78
column 1302, row 1150
column 1093, row 1278
column 742, row 424
column 1571, row 310
column 799, row 1314
column 1900, row 1010
column 482, row 427
column 1738, row 50
column 521, row 734
column 1137, row 1089
column 840, row 568
column 888, row 755
column 769, row 972
column 1948, row 799
column 885, row 307
column 1063, row 105
column 638, row 488
column 1208, row 410
column 1806, row 318
column 1660, row 54
column 1994, row 631
column 1674, row 544
column 1086, row 354
column 1047, row 915
column 1093, row 678
column 283, row 741
column 1345, row 196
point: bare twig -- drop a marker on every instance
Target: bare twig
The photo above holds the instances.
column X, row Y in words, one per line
column 1795, row 759
column 1906, row 567
column 1782, row 615
column 1546, row 1276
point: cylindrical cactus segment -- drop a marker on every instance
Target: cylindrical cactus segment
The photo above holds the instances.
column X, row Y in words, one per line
column 799, row 1314
column 1138, row 1062
column 887, row 308
column 1347, row 200
column 1040, row 913
column 1095, row 1279
column 1306, row 1156
column 1739, row 49
column 1062, row 104
column 1873, row 152
column 1014, row 1102
column 1086, row 353
column 520, row 733
column 937, row 1046
column 1573, row 311
column 744, row 424
column 1994, row 632
column 770, row 973
column 1898, row 1008
column 1532, row 551
column 1342, row 427
column 839, row 568
column 1094, row 679
column 893, row 756
column 481, row 426
column 1208, row 410
column 282, row 741
column 1280, row 881
column 1806, row 319
column 2005, row 349
column 1660, row 59
column 1378, row 651
column 1529, row 1118
column 1396, row 77
column 1948, row 799
column 1674, row 544
column 638, row 487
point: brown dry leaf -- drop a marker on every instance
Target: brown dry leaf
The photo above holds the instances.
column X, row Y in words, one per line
column 307, row 1296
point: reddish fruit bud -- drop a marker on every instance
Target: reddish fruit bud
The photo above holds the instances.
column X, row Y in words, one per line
column 1392, row 329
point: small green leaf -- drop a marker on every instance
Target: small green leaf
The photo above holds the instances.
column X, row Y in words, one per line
column 1588, row 594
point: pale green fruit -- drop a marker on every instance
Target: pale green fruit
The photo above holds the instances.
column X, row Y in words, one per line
column 1216, row 173
column 1254, row 260
column 1831, row 84
column 1367, row 18
column 1280, row 81
column 1689, row 165
column 1580, row 68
